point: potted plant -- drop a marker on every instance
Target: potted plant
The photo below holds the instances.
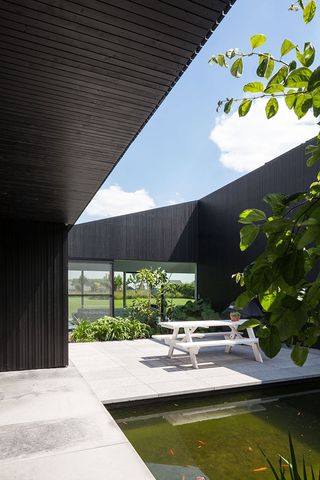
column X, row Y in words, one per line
column 234, row 316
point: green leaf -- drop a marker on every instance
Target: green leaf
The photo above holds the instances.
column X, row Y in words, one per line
column 309, row 11
column 299, row 354
column 290, row 98
column 292, row 65
column 299, row 78
column 267, row 300
column 286, row 47
column 231, row 53
column 307, row 57
column 237, row 68
column 243, row 300
column 269, row 68
column 271, row 345
column 302, row 104
column 288, row 322
column 275, row 88
column 310, row 235
column 272, row 107
column 314, row 80
column 244, row 107
column 257, row 40
column 316, row 97
column 279, row 77
column 253, row 87
column 260, row 277
column 314, row 150
column 276, row 201
column 248, row 234
column 221, row 60
column 263, row 66
column 252, row 215
column 251, row 323
column 292, row 267
column 228, row 105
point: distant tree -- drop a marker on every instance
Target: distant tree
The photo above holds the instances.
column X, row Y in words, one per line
column 285, row 276
column 118, row 282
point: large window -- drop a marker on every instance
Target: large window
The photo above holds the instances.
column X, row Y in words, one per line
column 90, row 290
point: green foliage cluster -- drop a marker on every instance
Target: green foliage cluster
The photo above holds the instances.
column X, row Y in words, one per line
column 284, row 277
column 197, row 310
column 291, row 465
column 160, row 294
column 109, row 328
column 185, row 290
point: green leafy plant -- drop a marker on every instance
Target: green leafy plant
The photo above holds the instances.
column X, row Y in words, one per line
column 109, row 328
column 284, row 277
column 159, row 296
column 291, row 466
column 197, row 310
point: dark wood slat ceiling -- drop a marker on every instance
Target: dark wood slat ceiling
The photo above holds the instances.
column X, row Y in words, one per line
column 79, row 80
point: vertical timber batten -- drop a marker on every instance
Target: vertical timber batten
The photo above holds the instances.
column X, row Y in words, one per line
column 33, row 306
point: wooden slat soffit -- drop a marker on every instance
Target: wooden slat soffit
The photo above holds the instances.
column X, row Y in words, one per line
column 79, row 81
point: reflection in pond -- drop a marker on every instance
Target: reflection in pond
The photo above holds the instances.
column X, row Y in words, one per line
column 219, row 437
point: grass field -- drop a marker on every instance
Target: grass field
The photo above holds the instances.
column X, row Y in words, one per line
column 89, row 302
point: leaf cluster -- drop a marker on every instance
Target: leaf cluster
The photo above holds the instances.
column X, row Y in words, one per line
column 284, row 277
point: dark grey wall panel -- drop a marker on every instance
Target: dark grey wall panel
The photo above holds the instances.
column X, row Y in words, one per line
column 219, row 254
column 33, row 300
column 163, row 234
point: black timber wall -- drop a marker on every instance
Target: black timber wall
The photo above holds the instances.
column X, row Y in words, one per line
column 219, row 253
column 33, row 295
column 161, row 234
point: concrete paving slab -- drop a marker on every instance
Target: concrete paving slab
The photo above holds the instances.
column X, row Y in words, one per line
column 52, row 418
column 152, row 374
column 93, row 464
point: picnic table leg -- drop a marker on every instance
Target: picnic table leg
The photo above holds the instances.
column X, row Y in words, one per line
column 192, row 351
column 193, row 358
column 254, row 346
column 173, row 342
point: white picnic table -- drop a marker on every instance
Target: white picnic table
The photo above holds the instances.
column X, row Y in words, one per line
column 187, row 341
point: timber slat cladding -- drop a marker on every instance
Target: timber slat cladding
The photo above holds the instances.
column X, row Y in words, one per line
column 168, row 234
column 33, row 304
column 79, row 79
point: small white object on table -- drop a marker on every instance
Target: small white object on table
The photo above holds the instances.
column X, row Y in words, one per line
column 230, row 338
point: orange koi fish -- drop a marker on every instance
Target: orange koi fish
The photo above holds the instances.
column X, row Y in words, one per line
column 260, row 469
column 171, row 452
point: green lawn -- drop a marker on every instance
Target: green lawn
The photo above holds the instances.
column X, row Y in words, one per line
column 89, row 302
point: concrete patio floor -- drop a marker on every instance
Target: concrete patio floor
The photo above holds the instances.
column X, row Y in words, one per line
column 53, row 424
column 140, row 369
column 53, row 427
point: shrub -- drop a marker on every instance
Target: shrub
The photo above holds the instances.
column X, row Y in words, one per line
column 109, row 328
column 197, row 310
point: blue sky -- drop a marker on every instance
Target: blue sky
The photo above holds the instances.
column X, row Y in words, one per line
column 174, row 159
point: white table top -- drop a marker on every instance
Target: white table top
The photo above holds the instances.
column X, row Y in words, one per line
column 200, row 323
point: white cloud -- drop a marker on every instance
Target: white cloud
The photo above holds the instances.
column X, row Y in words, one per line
column 177, row 198
column 113, row 201
column 249, row 142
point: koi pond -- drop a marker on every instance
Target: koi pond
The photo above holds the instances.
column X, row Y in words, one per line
column 218, row 437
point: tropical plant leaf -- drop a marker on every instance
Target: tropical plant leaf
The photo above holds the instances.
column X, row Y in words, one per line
column 299, row 78
column 257, row 40
column 272, row 107
column 248, row 234
column 253, row 87
column 244, row 107
column 286, row 47
column 309, row 11
column 251, row 215
column 299, row 354
column 237, row 68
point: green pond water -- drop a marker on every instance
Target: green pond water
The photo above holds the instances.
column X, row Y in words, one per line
column 218, row 437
